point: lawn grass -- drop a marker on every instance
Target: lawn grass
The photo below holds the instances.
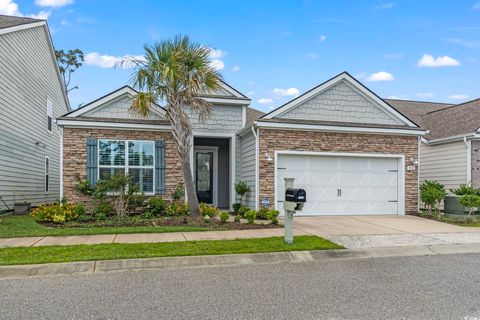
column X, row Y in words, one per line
column 25, row 226
column 111, row 251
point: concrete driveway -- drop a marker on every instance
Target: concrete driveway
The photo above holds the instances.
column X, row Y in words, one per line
column 386, row 231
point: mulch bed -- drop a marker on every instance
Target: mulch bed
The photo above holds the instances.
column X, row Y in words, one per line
column 164, row 221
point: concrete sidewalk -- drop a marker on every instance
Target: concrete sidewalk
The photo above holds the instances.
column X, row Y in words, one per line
column 143, row 237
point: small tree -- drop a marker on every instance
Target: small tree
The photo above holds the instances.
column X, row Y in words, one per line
column 432, row 193
column 471, row 202
column 241, row 188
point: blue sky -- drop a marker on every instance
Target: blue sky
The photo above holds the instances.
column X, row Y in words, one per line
column 274, row 50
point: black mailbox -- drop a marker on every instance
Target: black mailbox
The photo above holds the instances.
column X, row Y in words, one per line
column 295, row 195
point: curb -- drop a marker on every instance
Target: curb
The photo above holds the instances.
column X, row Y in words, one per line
column 104, row 266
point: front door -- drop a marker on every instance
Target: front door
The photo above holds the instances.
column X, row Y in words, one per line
column 204, row 175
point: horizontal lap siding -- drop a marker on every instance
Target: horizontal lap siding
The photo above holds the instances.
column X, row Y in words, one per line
column 248, row 173
column 445, row 163
column 28, row 77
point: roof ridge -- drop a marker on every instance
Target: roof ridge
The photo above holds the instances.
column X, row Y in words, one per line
column 418, row 101
column 455, row 105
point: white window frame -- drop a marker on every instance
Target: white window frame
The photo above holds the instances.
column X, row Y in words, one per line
column 49, row 115
column 46, row 177
column 126, row 167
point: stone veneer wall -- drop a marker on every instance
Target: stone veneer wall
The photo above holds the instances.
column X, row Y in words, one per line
column 273, row 139
column 75, row 157
column 475, row 164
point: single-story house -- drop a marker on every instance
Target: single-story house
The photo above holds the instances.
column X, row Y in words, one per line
column 352, row 151
column 32, row 95
column 449, row 152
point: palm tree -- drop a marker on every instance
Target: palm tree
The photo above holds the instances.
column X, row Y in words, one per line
column 176, row 73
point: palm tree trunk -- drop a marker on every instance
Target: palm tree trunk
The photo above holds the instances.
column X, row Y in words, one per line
column 190, row 187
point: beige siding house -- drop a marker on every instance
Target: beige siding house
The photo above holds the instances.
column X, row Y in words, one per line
column 31, row 97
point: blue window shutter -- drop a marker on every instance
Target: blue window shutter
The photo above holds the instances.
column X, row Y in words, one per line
column 92, row 161
column 159, row 167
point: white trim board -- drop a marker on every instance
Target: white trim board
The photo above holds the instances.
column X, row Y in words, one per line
column 110, row 125
column 401, row 170
column 355, row 85
column 331, row 128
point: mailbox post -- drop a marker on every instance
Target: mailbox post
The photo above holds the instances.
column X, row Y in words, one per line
column 288, row 214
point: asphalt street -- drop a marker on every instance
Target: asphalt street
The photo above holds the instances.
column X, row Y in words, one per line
column 425, row 287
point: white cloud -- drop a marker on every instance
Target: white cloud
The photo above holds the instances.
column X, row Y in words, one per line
column 10, row 8
column 424, row 95
column 217, row 64
column 286, row 92
column 384, row 6
column 381, row 76
column 106, row 61
column 265, row 100
column 53, row 3
column 215, row 55
column 236, row 68
column 429, row 61
column 312, row 55
column 476, row 6
column 323, row 38
column 459, row 96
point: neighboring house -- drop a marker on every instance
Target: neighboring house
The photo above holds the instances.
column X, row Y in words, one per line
column 32, row 95
column 352, row 151
column 449, row 153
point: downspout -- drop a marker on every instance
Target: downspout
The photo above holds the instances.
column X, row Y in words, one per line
column 60, row 135
column 257, row 166
column 468, row 144
column 418, row 173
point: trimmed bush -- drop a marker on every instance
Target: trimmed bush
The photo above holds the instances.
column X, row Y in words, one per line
column 155, row 207
column 262, row 214
column 236, row 218
column 242, row 211
column 471, row 202
column 208, row 210
column 272, row 216
column 55, row 213
column 177, row 210
column 224, row 216
column 432, row 193
column 465, row 189
column 236, row 206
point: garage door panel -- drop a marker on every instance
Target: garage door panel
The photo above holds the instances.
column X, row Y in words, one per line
column 341, row 185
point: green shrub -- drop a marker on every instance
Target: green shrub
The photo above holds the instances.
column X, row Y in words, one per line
column 156, row 207
column 262, row 214
column 136, row 200
column 236, row 218
column 102, row 210
column 432, row 193
column 208, row 210
column 55, row 213
column 250, row 216
column 79, row 209
column 272, row 216
column 224, row 216
column 242, row 211
column 179, row 192
column 83, row 186
column 471, row 202
column 176, row 210
column 236, row 206
column 465, row 189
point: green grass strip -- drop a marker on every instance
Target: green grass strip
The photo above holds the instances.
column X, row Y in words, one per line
column 111, row 251
column 25, row 226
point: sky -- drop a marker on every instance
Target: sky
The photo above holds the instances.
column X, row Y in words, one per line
column 272, row 51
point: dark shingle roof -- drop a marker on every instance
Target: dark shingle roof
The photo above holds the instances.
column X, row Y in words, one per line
column 253, row 114
column 12, row 21
column 442, row 119
column 338, row 123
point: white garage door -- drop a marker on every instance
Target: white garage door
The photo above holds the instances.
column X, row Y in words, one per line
column 341, row 185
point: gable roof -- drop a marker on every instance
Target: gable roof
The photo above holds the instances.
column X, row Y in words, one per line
column 253, row 114
column 103, row 100
column 13, row 21
column 359, row 87
column 443, row 119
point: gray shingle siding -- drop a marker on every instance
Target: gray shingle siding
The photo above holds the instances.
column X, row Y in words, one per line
column 248, row 172
column 224, row 119
column 28, row 77
column 118, row 108
column 340, row 103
